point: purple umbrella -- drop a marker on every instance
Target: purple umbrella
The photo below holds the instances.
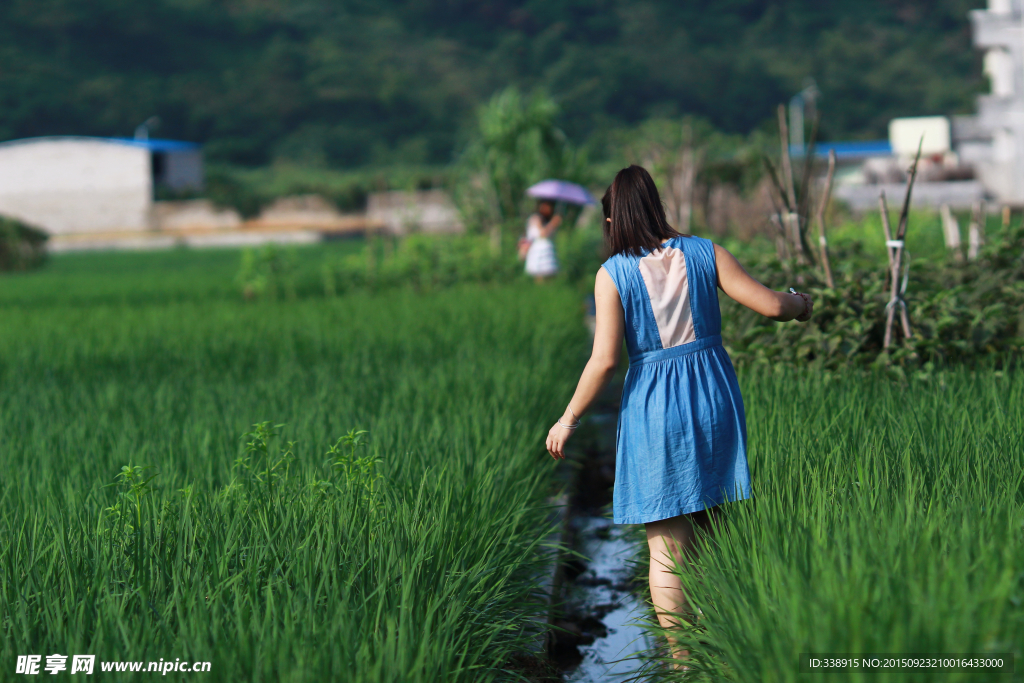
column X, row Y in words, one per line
column 561, row 191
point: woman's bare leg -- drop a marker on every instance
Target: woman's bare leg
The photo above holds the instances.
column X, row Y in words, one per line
column 672, row 541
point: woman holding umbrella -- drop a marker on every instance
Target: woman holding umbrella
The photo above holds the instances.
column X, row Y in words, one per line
column 541, row 262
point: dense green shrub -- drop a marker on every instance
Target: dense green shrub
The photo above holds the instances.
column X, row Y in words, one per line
column 957, row 312
column 21, row 247
column 424, row 262
column 430, row 262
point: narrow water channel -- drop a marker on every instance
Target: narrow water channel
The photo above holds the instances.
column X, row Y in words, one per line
column 604, row 592
column 600, row 626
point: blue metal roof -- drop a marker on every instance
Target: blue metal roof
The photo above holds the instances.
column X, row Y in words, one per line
column 153, row 144
column 848, row 150
column 158, row 145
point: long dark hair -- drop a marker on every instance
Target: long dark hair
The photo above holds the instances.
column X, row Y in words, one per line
column 638, row 218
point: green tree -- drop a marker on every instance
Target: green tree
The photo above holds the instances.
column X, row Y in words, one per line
column 517, row 144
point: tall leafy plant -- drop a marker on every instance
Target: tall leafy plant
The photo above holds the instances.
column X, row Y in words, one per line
column 516, row 144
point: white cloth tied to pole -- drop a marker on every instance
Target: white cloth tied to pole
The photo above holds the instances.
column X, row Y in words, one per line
column 897, row 299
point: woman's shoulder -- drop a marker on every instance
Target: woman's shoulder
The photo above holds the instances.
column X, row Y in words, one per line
column 621, row 259
column 619, row 267
column 693, row 244
column 690, row 239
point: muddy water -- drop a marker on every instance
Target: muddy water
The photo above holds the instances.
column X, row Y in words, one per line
column 604, row 593
column 601, row 621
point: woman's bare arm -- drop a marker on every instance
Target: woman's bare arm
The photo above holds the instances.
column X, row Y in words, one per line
column 737, row 283
column 604, row 359
column 552, row 225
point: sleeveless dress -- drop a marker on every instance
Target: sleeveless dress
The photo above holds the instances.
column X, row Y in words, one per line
column 540, row 259
column 681, row 443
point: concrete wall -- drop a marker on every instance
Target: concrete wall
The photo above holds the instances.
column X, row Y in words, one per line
column 423, row 211
column 70, row 185
column 959, row 195
column 193, row 214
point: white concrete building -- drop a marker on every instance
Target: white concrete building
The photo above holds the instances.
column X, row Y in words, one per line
column 68, row 185
column 993, row 140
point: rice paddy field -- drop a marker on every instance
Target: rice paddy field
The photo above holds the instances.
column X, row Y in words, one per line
column 414, row 557
column 885, row 518
column 268, row 535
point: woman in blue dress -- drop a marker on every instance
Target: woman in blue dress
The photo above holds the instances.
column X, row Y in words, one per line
column 682, row 440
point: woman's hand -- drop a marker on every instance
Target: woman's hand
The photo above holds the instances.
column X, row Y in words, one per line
column 557, row 436
column 808, row 304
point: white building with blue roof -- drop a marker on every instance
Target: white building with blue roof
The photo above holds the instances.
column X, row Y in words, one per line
column 69, row 184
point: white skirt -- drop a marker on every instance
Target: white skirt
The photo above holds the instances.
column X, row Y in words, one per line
column 540, row 259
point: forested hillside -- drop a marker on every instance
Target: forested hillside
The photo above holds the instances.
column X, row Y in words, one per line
column 359, row 82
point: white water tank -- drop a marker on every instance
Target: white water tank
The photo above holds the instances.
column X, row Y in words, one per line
column 931, row 132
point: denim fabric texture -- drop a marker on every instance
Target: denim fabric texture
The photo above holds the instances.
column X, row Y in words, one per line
column 681, row 443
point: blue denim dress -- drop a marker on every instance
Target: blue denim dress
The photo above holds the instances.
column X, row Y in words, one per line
column 681, row 443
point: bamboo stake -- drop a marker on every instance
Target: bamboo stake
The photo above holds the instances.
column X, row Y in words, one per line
column 792, row 222
column 896, row 296
column 779, row 187
column 782, row 241
column 822, row 206
column 787, row 167
column 804, row 209
column 883, row 208
column 781, row 248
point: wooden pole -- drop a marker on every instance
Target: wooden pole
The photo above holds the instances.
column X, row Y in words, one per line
column 822, row 206
column 951, row 233
column 685, row 180
column 976, row 233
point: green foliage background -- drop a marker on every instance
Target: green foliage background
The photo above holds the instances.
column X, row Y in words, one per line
column 345, row 84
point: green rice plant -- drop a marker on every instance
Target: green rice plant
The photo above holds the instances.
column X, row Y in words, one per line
column 128, row 508
column 357, row 466
column 421, row 557
column 886, row 518
column 267, row 271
